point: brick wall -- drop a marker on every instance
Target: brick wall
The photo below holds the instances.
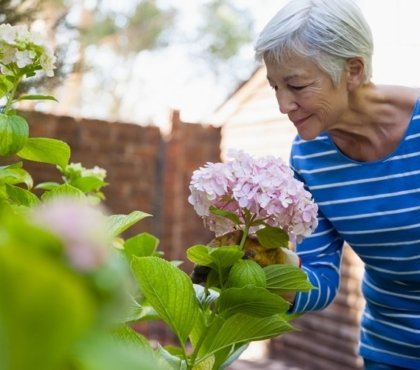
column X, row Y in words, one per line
column 145, row 170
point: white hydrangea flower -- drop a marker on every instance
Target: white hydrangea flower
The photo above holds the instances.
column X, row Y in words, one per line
column 21, row 48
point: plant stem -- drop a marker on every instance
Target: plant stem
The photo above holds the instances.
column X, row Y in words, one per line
column 11, row 95
column 244, row 236
column 200, row 341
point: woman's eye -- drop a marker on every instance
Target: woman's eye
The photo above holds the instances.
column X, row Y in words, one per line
column 293, row 87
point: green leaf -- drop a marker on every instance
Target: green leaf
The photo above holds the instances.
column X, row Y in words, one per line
column 251, row 300
column 246, row 272
column 126, row 334
column 14, row 132
column 241, row 328
column 272, row 237
column 286, row 278
column 141, row 313
column 169, row 360
column 205, row 296
column 119, row 223
column 219, row 259
column 206, row 364
column 88, row 183
column 21, row 196
column 14, row 174
column 64, row 190
column 141, row 245
column 47, row 185
column 103, row 351
column 5, row 85
column 226, row 357
column 46, row 150
column 169, row 291
column 36, row 97
column 33, row 304
column 226, row 214
column 200, row 254
column 226, row 256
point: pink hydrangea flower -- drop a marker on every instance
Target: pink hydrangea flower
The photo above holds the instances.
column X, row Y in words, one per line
column 264, row 186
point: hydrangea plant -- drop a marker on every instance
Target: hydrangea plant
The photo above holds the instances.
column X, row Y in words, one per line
column 242, row 299
column 71, row 287
column 252, row 193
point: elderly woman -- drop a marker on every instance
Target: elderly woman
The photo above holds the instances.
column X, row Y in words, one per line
column 358, row 152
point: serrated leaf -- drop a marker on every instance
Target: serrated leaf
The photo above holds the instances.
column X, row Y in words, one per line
column 46, row 150
column 170, row 361
column 240, row 328
column 64, row 190
column 120, row 223
column 218, row 259
column 226, row 256
column 200, row 255
column 226, row 214
column 141, row 245
column 15, row 175
column 14, row 132
column 47, row 185
column 246, row 272
column 206, row 364
column 128, row 335
column 169, row 291
column 251, row 300
column 286, row 278
column 272, row 237
column 88, row 183
column 21, row 196
column 5, row 85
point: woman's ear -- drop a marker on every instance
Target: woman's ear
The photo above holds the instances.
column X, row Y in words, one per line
column 355, row 68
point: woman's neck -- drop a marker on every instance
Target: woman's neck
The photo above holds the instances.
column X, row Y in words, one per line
column 375, row 122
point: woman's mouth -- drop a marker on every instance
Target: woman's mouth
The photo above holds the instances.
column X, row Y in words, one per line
column 300, row 121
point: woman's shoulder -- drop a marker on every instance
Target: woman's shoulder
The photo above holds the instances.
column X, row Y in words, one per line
column 309, row 148
column 402, row 97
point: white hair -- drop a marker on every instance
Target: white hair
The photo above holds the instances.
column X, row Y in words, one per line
column 329, row 31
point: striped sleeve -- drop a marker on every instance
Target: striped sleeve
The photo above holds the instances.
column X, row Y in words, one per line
column 320, row 256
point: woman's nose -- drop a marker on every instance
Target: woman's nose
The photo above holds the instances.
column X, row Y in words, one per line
column 286, row 102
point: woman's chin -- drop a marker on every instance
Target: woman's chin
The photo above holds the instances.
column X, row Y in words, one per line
column 305, row 135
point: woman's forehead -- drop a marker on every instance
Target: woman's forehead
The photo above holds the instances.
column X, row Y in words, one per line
column 292, row 67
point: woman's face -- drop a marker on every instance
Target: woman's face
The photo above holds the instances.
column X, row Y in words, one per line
column 307, row 95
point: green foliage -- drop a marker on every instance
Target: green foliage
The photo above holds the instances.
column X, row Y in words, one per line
column 246, row 272
column 240, row 304
column 225, row 28
column 14, row 132
column 169, row 291
column 272, row 237
column 46, row 150
column 71, row 286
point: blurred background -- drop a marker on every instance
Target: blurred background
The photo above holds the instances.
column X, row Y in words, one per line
column 152, row 89
column 134, row 60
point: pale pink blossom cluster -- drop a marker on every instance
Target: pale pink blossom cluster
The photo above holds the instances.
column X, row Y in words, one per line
column 81, row 227
column 264, row 186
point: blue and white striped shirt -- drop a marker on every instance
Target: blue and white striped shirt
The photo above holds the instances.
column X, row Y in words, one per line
column 375, row 208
